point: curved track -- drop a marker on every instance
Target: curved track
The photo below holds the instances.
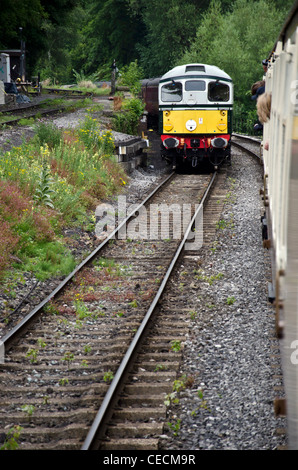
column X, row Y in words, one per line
column 251, row 145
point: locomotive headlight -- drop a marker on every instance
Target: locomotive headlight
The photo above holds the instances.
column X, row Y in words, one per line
column 171, row 142
column 167, row 113
column 219, row 143
column 223, row 113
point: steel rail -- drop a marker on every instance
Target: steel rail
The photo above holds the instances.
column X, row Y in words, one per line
column 100, row 422
column 29, row 115
column 69, row 92
column 247, row 137
column 31, row 110
column 7, row 340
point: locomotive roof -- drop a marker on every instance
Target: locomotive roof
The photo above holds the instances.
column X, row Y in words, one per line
column 196, row 71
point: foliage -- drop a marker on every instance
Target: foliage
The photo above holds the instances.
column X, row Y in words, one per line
column 110, row 32
column 127, row 121
column 131, row 76
column 108, row 376
column 81, row 77
column 175, row 427
column 48, row 133
column 26, row 230
column 43, row 190
column 87, row 35
column 243, row 31
column 12, row 437
column 15, row 15
column 168, row 33
column 244, row 117
column 49, row 30
column 61, row 35
column 8, row 243
column 43, row 187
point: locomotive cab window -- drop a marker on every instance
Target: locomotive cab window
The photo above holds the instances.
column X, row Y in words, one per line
column 218, row 91
column 195, row 85
column 171, row 91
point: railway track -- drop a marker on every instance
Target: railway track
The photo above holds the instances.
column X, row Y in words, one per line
column 251, row 145
column 140, row 415
column 58, row 363
column 13, row 115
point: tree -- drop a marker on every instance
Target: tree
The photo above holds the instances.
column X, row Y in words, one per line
column 56, row 59
column 169, row 29
column 14, row 15
column 109, row 33
column 238, row 40
column 47, row 29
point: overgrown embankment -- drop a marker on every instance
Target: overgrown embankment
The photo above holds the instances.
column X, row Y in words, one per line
column 53, row 181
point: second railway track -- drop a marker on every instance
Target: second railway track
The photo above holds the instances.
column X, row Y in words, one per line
column 40, row 107
column 251, row 145
column 55, row 377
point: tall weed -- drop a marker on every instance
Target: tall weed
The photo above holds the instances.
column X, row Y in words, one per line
column 48, row 133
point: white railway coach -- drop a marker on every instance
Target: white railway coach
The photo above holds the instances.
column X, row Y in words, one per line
column 281, row 196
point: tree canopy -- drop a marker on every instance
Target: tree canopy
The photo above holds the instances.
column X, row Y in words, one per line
column 88, row 35
column 236, row 41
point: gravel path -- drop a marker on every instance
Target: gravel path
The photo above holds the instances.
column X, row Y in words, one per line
column 232, row 353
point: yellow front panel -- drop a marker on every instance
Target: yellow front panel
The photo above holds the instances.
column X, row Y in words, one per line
column 195, row 121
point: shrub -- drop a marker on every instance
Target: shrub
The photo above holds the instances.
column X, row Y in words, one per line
column 22, row 224
column 128, row 120
column 45, row 186
column 48, row 133
column 131, row 76
column 8, row 243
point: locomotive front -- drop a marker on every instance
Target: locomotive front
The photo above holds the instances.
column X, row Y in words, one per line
column 195, row 115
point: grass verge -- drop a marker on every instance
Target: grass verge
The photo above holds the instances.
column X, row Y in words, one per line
column 51, row 182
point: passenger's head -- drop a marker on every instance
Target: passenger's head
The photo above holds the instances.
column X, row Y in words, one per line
column 257, row 85
column 264, row 107
column 265, row 65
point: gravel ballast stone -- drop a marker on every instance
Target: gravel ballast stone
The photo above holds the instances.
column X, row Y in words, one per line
column 232, row 353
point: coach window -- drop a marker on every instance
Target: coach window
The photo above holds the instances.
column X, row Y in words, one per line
column 218, row 91
column 195, row 85
column 171, row 91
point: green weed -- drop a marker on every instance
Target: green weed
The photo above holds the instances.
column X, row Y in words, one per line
column 210, row 279
column 47, row 259
column 176, row 345
column 48, row 133
column 68, row 358
column 43, row 190
column 175, row 427
column 29, row 409
column 11, row 440
column 108, row 376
